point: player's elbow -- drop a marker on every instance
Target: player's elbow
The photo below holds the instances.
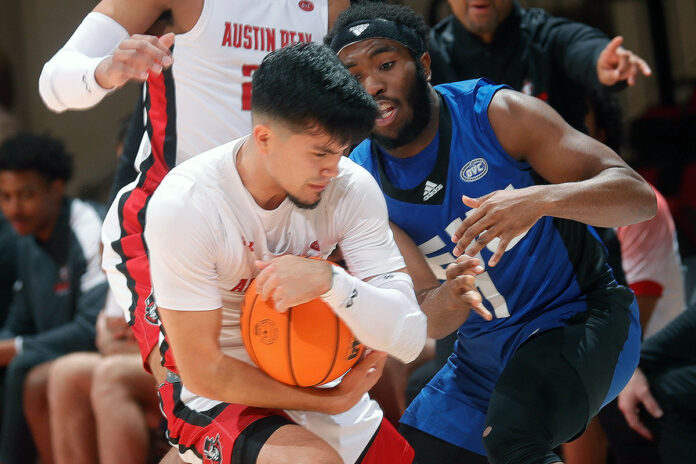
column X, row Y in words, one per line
column 408, row 343
column 649, row 202
column 198, row 382
column 46, row 91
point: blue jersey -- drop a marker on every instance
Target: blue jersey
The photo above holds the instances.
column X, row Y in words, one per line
column 556, row 263
column 544, row 278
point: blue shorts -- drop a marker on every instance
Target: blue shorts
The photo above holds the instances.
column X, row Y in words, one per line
column 600, row 342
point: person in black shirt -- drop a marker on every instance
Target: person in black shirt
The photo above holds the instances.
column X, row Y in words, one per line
column 659, row 402
column 552, row 58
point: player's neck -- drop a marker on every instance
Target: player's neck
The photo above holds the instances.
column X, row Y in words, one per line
column 263, row 189
column 427, row 134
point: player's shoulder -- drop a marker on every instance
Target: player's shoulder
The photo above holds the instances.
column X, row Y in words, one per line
column 353, row 184
column 351, row 172
column 362, row 154
column 196, row 180
column 471, row 89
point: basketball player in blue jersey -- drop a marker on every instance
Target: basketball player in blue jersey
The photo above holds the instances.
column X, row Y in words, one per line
column 482, row 172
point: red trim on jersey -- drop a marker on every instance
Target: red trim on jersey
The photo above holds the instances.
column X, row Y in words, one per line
column 647, row 288
column 131, row 246
column 388, row 446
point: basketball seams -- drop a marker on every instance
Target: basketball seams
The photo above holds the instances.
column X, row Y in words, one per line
column 289, row 338
column 335, row 355
column 315, row 339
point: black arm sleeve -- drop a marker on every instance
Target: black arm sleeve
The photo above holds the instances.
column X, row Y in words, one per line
column 674, row 344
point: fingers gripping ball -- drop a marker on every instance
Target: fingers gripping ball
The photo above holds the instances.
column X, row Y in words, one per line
column 307, row 345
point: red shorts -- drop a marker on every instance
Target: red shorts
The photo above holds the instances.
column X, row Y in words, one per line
column 210, row 435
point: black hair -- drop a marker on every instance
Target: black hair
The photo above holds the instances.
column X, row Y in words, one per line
column 306, row 87
column 608, row 117
column 41, row 153
column 400, row 14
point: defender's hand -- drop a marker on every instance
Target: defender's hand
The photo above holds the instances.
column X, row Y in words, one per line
column 503, row 214
column 134, row 59
column 459, row 290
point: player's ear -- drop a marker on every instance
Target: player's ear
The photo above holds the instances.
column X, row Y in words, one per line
column 425, row 61
column 262, row 135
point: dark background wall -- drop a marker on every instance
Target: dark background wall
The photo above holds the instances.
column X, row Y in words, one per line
column 32, row 30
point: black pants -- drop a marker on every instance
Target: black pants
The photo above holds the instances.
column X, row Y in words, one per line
column 16, row 444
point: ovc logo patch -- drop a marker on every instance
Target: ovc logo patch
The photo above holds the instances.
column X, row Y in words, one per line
column 474, row 170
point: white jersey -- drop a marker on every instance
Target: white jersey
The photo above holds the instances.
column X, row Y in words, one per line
column 651, row 262
column 205, row 232
column 201, row 102
column 204, row 99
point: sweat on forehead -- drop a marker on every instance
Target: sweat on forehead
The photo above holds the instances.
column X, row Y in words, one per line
column 377, row 28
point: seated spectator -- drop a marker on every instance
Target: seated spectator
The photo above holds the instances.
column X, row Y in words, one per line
column 60, row 286
column 103, row 406
column 659, row 401
column 8, row 266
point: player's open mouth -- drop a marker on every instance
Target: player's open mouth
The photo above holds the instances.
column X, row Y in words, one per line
column 480, row 7
column 387, row 113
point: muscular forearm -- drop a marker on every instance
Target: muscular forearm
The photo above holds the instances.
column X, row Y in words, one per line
column 234, row 381
column 442, row 319
column 613, row 198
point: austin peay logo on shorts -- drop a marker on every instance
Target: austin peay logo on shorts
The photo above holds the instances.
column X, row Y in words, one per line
column 151, row 310
column 212, row 449
column 474, row 170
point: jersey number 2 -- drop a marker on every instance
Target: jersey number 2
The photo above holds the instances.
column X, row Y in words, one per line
column 247, row 71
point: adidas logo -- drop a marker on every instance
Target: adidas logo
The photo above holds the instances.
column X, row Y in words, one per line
column 431, row 188
column 359, row 29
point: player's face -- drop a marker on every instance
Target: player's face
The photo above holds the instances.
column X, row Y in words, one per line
column 30, row 202
column 481, row 17
column 399, row 85
column 304, row 163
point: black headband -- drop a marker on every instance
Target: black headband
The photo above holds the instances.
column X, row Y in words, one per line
column 358, row 31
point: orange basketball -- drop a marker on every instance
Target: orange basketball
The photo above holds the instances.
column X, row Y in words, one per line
column 307, row 345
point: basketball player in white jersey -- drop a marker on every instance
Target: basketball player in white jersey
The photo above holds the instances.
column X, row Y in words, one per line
column 199, row 102
column 194, row 105
column 254, row 208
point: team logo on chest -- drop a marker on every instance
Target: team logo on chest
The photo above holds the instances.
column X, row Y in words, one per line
column 306, row 5
column 474, row 170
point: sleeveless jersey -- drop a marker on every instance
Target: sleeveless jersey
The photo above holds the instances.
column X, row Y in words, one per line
column 554, row 265
column 204, row 99
column 210, row 262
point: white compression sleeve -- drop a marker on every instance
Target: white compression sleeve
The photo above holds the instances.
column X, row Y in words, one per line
column 383, row 313
column 67, row 80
